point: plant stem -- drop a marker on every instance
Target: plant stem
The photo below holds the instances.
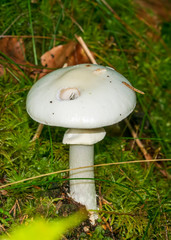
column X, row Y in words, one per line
column 32, row 33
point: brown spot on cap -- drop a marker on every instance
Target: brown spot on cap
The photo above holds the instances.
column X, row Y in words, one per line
column 99, row 70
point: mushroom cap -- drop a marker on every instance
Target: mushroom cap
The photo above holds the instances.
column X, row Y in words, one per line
column 81, row 96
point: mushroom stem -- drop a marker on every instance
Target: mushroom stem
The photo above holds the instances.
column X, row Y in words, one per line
column 83, row 190
column 81, row 154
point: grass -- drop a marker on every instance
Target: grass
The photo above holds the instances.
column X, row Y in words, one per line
column 134, row 197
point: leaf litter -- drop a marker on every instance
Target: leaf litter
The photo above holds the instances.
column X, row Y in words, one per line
column 69, row 54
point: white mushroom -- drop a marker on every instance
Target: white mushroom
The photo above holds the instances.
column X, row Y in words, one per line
column 84, row 98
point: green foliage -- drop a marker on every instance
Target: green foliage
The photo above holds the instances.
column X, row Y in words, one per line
column 41, row 229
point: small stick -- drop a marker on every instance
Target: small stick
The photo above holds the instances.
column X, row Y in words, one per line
column 38, row 132
column 1, row 226
column 138, row 142
column 87, row 51
column 71, row 169
column 144, row 151
column 23, row 218
column 134, row 89
column 15, row 20
column 17, row 203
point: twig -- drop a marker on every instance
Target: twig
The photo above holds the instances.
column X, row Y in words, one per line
column 14, row 208
column 100, row 211
column 17, row 203
column 138, row 142
column 68, row 170
column 144, row 151
column 72, row 19
column 134, row 142
column 132, row 88
column 87, row 51
column 107, row 225
column 100, row 198
column 1, row 226
column 38, row 132
column 23, row 218
column 76, row 23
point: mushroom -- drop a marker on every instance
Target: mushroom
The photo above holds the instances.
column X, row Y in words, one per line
column 84, row 98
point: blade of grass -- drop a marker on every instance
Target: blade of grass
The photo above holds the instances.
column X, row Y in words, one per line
column 153, row 217
column 56, row 29
column 14, row 21
column 12, row 62
column 32, row 33
column 152, row 125
column 130, row 30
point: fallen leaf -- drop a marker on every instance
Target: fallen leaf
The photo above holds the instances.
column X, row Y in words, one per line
column 56, row 57
column 78, row 56
column 69, row 54
column 14, row 49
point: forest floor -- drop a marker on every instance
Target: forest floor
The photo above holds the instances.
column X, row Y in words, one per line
column 133, row 37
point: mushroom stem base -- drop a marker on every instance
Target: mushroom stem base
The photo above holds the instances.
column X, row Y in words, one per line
column 83, row 190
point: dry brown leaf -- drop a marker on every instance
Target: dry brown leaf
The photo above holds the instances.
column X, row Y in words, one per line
column 56, row 57
column 78, row 56
column 15, row 50
column 70, row 54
